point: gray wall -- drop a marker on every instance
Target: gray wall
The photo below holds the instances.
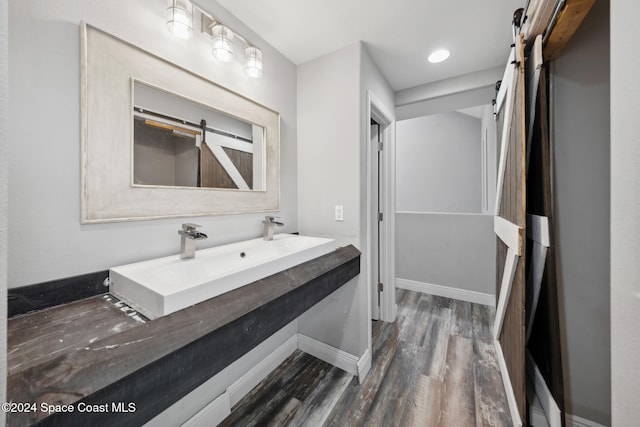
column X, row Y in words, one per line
column 4, row 175
column 582, row 168
column 625, row 222
column 438, row 164
column 454, row 250
column 332, row 94
column 46, row 238
column 439, row 196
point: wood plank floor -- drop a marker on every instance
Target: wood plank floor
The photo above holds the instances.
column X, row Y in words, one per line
column 435, row 366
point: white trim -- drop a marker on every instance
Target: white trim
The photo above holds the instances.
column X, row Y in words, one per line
column 447, row 292
column 576, row 421
column 243, row 385
column 506, row 80
column 509, row 233
column 547, row 402
column 333, row 356
column 535, row 65
column 538, row 229
column 212, row 414
column 510, row 264
column 377, row 110
column 538, row 419
column 484, row 160
column 364, row 365
column 259, row 157
column 508, row 389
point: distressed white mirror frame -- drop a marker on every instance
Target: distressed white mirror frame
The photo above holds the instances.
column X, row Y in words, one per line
column 109, row 66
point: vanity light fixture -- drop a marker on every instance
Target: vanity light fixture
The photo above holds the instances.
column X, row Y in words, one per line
column 180, row 24
column 438, row 56
column 223, row 39
column 222, row 43
column 180, row 18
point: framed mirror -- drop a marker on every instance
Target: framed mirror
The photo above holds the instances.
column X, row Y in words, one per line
column 160, row 141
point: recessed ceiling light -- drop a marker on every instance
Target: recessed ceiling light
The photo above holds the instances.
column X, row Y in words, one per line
column 438, row 56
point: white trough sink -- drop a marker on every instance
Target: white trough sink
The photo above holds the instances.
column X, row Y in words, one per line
column 161, row 286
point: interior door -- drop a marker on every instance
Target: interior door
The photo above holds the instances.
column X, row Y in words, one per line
column 510, row 228
column 375, row 209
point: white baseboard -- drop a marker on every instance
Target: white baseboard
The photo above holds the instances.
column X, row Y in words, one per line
column 538, row 419
column 243, row 385
column 575, row 421
column 333, row 356
column 447, row 292
column 364, row 365
column 212, row 414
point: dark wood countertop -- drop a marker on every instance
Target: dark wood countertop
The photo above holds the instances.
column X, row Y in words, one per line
column 83, row 365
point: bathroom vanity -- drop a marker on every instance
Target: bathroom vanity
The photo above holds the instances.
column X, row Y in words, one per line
column 153, row 364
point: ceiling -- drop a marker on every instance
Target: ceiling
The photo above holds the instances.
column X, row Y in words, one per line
column 398, row 34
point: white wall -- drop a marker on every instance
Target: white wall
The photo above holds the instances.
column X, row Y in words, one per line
column 453, row 250
column 581, row 153
column 46, row 238
column 438, row 164
column 439, row 176
column 625, row 205
column 331, row 140
column 4, row 175
column 328, row 144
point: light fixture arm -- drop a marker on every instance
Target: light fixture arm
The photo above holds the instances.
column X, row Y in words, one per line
column 207, row 22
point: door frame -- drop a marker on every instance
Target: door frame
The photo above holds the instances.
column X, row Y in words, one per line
column 378, row 112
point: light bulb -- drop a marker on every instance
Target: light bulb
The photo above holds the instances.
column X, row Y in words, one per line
column 222, row 43
column 253, row 62
column 180, row 18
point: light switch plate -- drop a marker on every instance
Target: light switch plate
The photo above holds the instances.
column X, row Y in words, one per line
column 339, row 213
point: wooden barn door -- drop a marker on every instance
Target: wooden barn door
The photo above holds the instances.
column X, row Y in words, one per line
column 510, row 228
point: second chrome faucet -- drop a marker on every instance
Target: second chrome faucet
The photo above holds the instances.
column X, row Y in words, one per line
column 269, row 223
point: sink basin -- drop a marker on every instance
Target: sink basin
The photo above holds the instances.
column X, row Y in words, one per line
column 161, row 286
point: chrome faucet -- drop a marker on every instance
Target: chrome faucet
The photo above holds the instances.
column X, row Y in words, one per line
column 269, row 223
column 188, row 237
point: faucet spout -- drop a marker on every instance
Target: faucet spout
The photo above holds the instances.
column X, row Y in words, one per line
column 269, row 224
column 188, row 237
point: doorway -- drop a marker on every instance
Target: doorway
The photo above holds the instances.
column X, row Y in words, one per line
column 381, row 210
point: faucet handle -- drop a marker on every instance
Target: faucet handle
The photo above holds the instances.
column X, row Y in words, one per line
column 269, row 218
column 190, row 226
